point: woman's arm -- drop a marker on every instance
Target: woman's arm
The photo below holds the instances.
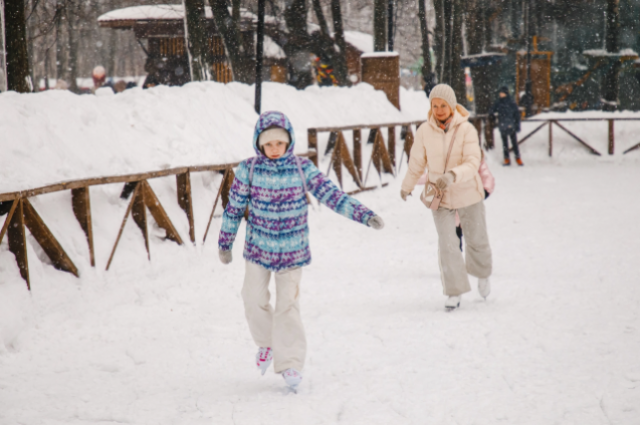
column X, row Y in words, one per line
column 238, row 200
column 470, row 154
column 331, row 196
column 417, row 163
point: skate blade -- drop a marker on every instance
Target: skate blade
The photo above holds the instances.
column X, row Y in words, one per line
column 450, row 309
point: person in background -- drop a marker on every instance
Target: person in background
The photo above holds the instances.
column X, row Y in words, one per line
column 99, row 76
column 508, row 122
column 120, row 86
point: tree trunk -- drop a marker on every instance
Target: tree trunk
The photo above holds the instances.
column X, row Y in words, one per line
column 341, row 58
column 17, row 57
column 478, row 31
column 610, row 85
column 3, row 64
column 322, row 22
column 457, row 72
column 60, row 57
column 195, row 26
column 379, row 25
column 73, row 50
column 427, row 70
column 298, row 45
column 235, row 12
column 241, row 61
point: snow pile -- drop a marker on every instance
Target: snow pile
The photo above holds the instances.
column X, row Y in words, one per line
column 360, row 40
column 57, row 136
column 164, row 12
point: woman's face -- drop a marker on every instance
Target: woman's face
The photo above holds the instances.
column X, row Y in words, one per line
column 275, row 149
column 440, row 109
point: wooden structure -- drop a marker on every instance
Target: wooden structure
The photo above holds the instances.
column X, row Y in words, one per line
column 167, row 58
column 540, row 75
column 556, row 121
column 22, row 216
column 383, row 156
column 382, row 71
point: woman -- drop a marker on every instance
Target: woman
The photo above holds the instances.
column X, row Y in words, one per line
column 463, row 192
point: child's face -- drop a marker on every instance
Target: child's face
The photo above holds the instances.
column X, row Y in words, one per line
column 275, row 149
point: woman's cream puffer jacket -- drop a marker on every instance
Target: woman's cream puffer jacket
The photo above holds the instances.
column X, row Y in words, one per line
column 429, row 152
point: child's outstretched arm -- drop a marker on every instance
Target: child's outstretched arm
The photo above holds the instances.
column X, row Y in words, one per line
column 233, row 213
column 331, row 196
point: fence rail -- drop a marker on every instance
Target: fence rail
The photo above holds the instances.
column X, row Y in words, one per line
column 550, row 122
column 22, row 215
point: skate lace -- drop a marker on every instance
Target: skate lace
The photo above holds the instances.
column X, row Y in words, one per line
column 292, row 373
column 264, row 354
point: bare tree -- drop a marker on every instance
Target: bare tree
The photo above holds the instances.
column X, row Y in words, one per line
column 241, row 60
column 196, row 38
column 17, row 56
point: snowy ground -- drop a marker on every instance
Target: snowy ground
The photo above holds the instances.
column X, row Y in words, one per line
column 165, row 342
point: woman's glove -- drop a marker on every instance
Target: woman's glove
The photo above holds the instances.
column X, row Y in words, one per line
column 225, row 256
column 376, row 222
column 445, row 181
column 404, row 194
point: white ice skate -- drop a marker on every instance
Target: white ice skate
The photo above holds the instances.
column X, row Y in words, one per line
column 452, row 302
column 264, row 359
column 293, row 378
column 484, row 287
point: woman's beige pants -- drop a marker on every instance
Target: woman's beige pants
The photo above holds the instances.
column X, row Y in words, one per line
column 453, row 269
column 281, row 329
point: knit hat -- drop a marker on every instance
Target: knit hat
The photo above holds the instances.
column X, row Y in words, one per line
column 271, row 134
column 504, row 90
column 444, row 92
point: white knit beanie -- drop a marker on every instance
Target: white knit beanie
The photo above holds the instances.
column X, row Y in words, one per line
column 271, row 134
column 446, row 93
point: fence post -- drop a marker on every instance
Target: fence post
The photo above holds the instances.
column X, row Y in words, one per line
column 81, row 203
column 357, row 151
column 611, row 137
column 550, row 138
column 183, row 182
column 391, row 143
column 312, row 141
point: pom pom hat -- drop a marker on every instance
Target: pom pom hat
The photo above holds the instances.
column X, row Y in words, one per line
column 446, row 93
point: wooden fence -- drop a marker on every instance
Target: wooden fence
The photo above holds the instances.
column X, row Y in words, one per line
column 383, row 157
column 22, row 215
column 550, row 122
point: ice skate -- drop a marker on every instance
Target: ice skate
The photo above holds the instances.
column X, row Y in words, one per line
column 506, row 162
column 519, row 161
column 484, row 287
column 452, row 302
column 293, row 378
column 264, row 359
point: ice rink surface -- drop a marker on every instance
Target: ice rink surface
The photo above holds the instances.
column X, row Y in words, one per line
column 165, row 342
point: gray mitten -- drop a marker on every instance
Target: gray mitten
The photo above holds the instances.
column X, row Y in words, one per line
column 376, row 222
column 225, row 256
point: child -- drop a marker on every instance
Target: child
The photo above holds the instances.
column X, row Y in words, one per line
column 273, row 185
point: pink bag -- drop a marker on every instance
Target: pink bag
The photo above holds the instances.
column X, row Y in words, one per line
column 431, row 195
